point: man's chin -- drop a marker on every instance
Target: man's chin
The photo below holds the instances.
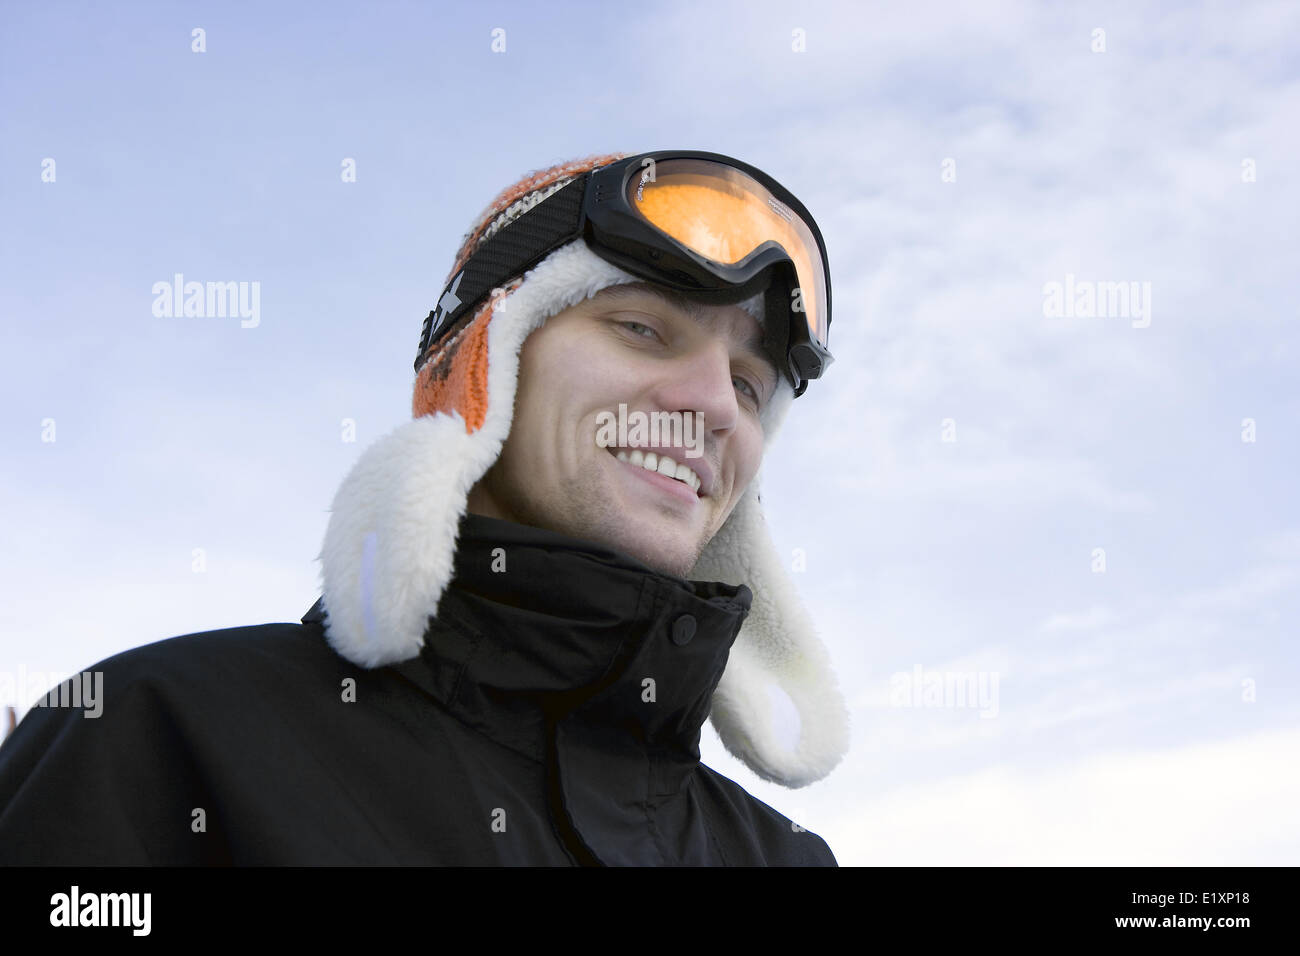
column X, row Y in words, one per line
column 674, row 567
column 674, row 558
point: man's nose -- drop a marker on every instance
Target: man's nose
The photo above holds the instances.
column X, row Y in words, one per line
column 700, row 381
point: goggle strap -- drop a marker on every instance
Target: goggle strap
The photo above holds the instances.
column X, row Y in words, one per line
column 515, row 248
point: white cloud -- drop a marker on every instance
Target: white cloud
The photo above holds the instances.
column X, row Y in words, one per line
column 1227, row 802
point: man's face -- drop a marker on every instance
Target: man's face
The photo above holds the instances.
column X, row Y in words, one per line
column 628, row 345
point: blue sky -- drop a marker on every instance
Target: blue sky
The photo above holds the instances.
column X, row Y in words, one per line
column 1124, row 731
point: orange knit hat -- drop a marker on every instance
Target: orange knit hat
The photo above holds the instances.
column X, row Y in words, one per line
column 453, row 371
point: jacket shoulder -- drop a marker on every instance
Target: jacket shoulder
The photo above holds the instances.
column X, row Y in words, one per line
column 205, row 657
column 193, row 667
column 783, row 841
column 108, row 768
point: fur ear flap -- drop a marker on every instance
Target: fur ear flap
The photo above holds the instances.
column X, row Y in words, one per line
column 391, row 541
column 778, row 707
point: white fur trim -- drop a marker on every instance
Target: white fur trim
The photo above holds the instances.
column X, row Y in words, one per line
column 776, row 652
column 389, row 548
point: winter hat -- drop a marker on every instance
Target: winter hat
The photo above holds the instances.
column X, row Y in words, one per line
column 389, row 549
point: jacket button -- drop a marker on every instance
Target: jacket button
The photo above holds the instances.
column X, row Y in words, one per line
column 683, row 629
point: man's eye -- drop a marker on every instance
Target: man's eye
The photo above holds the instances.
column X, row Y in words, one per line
column 635, row 326
column 753, row 389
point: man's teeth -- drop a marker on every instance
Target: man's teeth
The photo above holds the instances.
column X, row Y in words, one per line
column 662, row 464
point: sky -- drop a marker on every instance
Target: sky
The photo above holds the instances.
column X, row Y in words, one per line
column 1088, row 514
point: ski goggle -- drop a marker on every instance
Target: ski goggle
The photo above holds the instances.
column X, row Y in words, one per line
column 710, row 227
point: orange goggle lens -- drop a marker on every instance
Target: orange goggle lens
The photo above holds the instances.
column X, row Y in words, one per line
column 724, row 214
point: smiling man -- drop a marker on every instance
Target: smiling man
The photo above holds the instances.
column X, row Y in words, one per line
column 522, row 627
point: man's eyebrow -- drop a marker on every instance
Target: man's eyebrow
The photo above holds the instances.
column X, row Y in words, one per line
column 753, row 344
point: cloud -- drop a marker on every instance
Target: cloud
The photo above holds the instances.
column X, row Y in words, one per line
column 1227, row 802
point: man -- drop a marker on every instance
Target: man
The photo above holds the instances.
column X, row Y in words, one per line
column 531, row 598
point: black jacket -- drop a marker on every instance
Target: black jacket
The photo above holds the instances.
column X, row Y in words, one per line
column 553, row 718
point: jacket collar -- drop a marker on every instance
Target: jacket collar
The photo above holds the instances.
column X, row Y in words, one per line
column 536, row 626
